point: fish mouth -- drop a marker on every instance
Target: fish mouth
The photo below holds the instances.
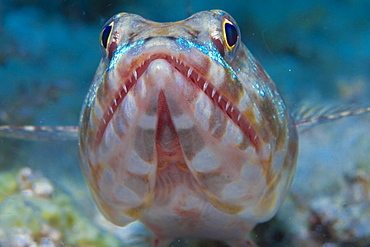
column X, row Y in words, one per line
column 193, row 76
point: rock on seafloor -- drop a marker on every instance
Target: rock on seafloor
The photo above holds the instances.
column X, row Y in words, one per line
column 329, row 203
column 33, row 213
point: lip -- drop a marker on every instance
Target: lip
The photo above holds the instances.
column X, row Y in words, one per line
column 194, row 77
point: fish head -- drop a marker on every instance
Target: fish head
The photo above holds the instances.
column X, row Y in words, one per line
column 182, row 112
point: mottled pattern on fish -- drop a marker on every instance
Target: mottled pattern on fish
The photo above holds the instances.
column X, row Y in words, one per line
column 183, row 130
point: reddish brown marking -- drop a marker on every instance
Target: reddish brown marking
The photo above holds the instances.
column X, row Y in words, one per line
column 191, row 142
column 156, row 242
column 111, row 49
column 249, row 243
column 113, row 45
column 166, row 139
column 218, row 98
column 144, row 144
column 219, row 45
column 217, row 124
column 201, row 64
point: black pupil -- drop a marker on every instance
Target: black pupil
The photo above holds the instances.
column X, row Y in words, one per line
column 231, row 34
column 105, row 35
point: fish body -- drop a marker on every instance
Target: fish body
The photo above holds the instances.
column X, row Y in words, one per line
column 183, row 130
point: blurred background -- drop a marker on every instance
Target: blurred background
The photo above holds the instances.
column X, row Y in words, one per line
column 315, row 51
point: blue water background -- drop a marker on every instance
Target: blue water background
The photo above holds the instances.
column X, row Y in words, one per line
column 49, row 51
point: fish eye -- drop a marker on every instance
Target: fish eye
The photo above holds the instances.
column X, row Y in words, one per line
column 106, row 34
column 230, row 34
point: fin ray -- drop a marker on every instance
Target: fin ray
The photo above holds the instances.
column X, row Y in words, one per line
column 40, row 133
column 309, row 115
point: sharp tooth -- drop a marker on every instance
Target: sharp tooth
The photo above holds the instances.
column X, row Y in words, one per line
column 189, row 71
column 115, row 101
column 239, row 116
column 205, row 85
column 227, row 106
column 105, row 122
column 198, row 77
column 135, row 74
column 171, row 57
column 213, row 93
column 119, row 94
column 219, row 98
column 232, row 109
column 111, row 109
column 124, row 88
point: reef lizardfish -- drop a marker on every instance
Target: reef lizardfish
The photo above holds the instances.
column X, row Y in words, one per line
column 183, row 130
